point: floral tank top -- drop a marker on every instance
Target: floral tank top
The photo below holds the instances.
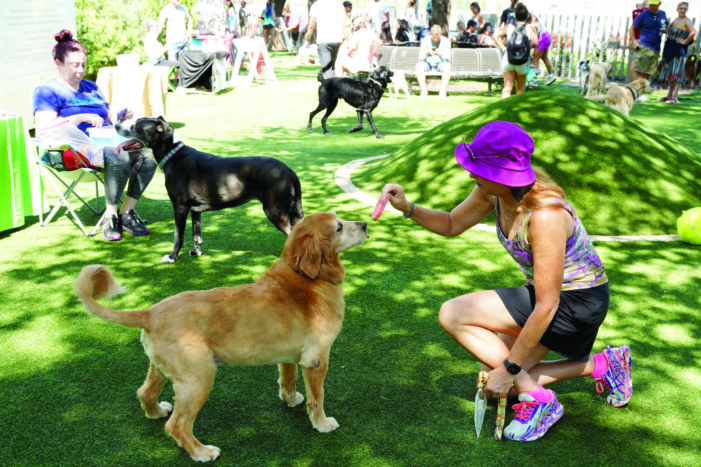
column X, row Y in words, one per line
column 583, row 268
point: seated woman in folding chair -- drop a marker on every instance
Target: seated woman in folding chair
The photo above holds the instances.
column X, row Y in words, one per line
column 83, row 104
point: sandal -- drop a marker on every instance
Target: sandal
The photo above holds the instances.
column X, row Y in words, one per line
column 672, row 101
column 662, row 99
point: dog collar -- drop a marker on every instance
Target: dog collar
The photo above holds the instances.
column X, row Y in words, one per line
column 374, row 81
column 633, row 92
column 170, row 154
column 303, row 274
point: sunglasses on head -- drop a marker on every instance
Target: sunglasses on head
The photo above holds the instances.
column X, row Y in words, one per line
column 472, row 154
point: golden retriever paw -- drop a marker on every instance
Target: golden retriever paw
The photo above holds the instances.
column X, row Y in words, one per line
column 164, row 409
column 326, row 425
column 206, row 454
column 292, row 400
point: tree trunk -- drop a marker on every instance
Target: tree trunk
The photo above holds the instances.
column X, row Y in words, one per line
column 441, row 14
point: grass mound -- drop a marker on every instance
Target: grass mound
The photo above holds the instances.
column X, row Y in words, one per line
column 622, row 177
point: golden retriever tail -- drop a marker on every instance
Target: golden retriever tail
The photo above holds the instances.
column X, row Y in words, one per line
column 96, row 281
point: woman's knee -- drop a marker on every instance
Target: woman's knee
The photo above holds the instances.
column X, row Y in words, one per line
column 149, row 164
column 455, row 313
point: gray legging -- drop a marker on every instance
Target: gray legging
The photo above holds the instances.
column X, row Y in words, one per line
column 137, row 168
column 327, row 57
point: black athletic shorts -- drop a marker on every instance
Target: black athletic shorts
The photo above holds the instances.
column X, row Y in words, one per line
column 573, row 329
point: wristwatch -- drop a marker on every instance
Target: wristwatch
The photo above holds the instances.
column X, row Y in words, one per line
column 512, row 367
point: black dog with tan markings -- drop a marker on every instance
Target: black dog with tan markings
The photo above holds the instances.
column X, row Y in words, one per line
column 198, row 182
column 362, row 95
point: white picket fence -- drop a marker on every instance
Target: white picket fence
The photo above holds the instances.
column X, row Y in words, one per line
column 596, row 38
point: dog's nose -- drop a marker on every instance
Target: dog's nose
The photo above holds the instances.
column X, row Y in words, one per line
column 118, row 126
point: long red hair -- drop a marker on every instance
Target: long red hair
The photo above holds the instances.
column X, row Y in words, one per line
column 541, row 193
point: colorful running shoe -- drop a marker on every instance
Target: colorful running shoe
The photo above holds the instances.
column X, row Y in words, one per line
column 618, row 377
column 532, row 418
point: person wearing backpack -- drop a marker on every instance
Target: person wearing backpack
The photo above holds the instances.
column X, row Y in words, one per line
column 516, row 42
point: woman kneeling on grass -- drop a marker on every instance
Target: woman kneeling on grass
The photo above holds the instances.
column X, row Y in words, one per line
column 566, row 295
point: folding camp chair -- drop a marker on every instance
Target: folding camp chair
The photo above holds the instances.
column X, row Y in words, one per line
column 64, row 185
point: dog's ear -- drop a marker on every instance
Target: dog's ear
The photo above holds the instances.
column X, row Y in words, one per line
column 163, row 126
column 308, row 254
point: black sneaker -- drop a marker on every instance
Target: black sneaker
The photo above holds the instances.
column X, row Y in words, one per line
column 112, row 229
column 132, row 223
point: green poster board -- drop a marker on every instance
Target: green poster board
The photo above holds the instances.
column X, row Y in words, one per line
column 20, row 185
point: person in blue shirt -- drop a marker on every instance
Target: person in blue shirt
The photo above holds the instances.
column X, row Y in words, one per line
column 652, row 23
column 81, row 102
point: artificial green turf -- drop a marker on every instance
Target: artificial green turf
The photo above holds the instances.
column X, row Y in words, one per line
column 599, row 156
column 401, row 390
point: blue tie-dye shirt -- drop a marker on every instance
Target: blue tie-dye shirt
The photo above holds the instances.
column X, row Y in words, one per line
column 88, row 99
column 583, row 268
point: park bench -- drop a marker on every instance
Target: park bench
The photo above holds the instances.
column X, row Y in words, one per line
column 478, row 64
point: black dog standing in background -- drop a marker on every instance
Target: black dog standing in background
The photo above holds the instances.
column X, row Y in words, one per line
column 362, row 95
column 197, row 181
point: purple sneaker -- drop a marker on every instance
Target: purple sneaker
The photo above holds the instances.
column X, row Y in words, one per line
column 132, row 223
column 532, row 418
column 618, row 377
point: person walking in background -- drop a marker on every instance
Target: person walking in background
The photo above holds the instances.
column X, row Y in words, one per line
column 81, row 102
column 652, row 23
column 178, row 23
column 565, row 298
column 515, row 73
column 267, row 17
column 434, row 54
column 540, row 52
column 680, row 33
column 639, row 8
column 327, row 18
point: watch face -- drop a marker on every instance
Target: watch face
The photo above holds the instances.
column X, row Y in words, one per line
column 512, row 368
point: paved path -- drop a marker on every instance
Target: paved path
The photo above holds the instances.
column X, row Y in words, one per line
column 343, row 179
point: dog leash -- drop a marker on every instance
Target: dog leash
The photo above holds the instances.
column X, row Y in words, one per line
column 170, row 154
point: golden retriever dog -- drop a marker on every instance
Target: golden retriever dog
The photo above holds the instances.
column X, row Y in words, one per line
column 597, row 78
column 622, row 98
column 290, row 316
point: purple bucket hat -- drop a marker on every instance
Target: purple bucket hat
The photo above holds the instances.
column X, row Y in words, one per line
column 500, row 152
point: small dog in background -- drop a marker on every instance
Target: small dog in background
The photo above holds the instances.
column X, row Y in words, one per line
column 691, row 70
column 398, row 83
column 584, row 70
column 597, row 78
column 622, row 98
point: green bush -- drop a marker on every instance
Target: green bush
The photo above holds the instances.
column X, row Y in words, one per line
column 107, row 28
